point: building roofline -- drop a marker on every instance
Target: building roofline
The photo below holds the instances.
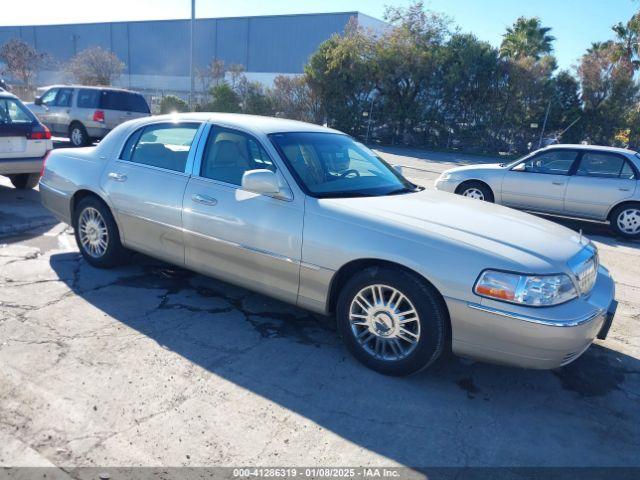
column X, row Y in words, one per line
column 245, row 17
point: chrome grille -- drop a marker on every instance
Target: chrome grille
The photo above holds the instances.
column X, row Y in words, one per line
column 586, row 271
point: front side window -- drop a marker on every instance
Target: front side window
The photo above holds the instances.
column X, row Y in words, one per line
column 64, row 97
column 12, row 112
column 335, row 165
column 164, row 146
column 49, row 96
column 557, row 162
column 604, row 165
column 230, row 153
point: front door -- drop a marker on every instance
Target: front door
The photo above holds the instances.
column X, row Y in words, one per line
column 539, row 183
column 146, row 184
column 59, row 111
column 246, row 238
column 602, row 180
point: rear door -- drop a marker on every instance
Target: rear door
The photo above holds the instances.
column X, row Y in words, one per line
column 146, row 183
column 540, row 182
column 601, row 181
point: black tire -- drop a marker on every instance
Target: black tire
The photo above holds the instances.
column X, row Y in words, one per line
column 78, row 135
column 432, row 317
column 474, row 185
column 25, row 181
column 619, row 213
column 114, row 253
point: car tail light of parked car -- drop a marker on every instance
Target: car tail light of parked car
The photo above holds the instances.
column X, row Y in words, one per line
column 98, row 116
column 39, row 132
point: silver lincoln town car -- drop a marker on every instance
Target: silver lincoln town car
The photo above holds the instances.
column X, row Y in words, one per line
column 310, row 216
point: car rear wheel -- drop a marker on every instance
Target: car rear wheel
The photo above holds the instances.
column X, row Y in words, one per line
column 25, row 181
column 476, row 190
column 78, row 135
column 392, row 320
column 625, row 220
column 97, row 234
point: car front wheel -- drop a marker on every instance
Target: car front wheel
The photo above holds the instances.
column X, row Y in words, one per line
column 476, row 190
column 625, row 220
column 97, row 234
column 392, row 320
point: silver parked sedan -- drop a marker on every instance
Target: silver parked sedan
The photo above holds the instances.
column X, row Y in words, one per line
column 579, row 181
column 310, row 216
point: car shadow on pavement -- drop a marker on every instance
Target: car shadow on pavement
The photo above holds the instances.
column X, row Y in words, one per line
column 458, row 413
column 21, row 211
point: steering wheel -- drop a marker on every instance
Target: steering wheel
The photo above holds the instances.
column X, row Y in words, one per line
column 351, row 171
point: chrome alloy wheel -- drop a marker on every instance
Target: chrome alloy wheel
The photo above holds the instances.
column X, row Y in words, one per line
column 94, row 235
column 629, row 221
column 384, row 322
column 474, row 193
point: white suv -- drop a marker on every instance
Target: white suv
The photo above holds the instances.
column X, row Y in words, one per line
column 24, row 142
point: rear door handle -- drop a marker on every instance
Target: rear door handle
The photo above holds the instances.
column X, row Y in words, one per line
column 118, row 177
column 624, row 189
column 204, row 199
column 558, row 183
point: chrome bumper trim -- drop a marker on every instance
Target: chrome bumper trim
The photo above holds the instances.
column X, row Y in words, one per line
column 539, row 321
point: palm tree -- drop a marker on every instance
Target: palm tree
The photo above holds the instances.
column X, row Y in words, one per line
column 627, row 41
column 527, row 38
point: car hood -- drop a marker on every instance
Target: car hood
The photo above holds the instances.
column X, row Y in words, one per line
column 485, row 166
column 517, row 238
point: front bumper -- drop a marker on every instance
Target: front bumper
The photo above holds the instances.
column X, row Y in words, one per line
column 541, row 338
column 446, row 185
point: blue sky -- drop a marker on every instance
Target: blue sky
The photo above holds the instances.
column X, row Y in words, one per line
column 575, row 23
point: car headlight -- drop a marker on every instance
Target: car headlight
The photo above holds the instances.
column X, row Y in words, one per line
column 531, row 290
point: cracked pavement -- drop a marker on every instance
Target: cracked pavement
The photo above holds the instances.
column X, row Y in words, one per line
column 152, row 365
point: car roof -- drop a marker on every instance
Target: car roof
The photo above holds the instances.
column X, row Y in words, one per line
column 265, row 125
column 601, row 148
column 5, row 94
column 88, row 87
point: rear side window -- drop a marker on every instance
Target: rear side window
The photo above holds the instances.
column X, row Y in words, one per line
column 137, row 103
column 123, row 101
column 604, row 165
column 13, row 112
column 88, row 98
column 163, row 145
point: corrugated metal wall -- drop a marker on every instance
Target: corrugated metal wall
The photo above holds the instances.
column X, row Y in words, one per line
column 279, row 44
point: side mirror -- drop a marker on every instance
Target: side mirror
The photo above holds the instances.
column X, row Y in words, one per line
column 521, row 167
column 399, row 169
column 37, row 101
column 261, row 181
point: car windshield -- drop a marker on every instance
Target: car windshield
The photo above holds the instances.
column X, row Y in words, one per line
column 335, row 165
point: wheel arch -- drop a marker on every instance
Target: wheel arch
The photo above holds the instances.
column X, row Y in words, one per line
column 620, row 204
column 83, row 193
column 473, row 180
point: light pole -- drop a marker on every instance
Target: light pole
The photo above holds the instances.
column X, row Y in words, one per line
column 191, row 46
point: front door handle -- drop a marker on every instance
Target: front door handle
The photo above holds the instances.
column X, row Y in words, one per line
column 624, row 189
column 118, row 177
column 558, row 183
column 204, row 199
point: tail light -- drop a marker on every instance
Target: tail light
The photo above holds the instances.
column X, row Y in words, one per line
column 98, row 116
column 39, row 132
column 44, row 161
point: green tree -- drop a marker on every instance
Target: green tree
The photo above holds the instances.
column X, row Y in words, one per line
column 340, row 72
column 224, row 99
column 171, row 104
column 628, row 40
column 527, row 38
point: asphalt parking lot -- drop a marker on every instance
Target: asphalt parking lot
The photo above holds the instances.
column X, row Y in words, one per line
column 149, row 364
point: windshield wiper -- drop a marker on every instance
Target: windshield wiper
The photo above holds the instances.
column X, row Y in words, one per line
column 404, row 190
